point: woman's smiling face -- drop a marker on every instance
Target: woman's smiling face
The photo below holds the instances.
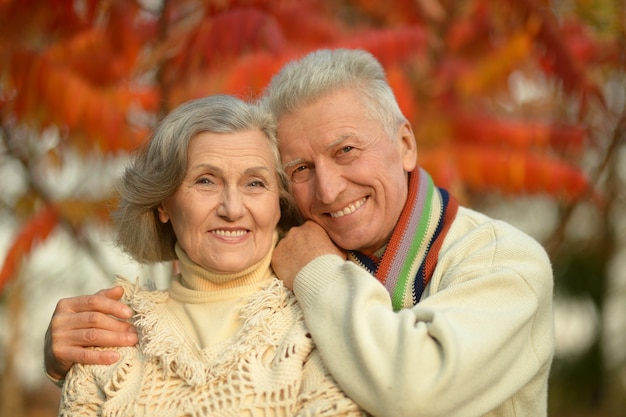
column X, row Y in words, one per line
column 226, row 209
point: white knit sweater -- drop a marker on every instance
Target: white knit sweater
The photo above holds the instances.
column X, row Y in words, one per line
column 479, row 342
column 214, row 345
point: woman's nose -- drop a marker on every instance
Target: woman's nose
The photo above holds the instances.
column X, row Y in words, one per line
column 231, row 207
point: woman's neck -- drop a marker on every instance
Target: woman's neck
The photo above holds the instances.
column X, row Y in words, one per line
column 198, row 278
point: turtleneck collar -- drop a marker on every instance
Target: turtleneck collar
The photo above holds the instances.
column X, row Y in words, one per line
column 199, row 279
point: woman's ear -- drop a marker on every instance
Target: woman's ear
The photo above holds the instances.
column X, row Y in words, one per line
column 163, row 216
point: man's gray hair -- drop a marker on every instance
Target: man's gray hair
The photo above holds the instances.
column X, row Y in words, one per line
column 303, row 81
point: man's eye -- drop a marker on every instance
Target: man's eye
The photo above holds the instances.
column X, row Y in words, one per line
column 346, row 154
column 300, row 173
column 346, row 149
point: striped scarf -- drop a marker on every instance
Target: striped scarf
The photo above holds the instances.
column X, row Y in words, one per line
column 410, row 257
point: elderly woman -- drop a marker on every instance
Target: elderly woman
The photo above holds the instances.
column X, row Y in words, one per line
column 227, row 338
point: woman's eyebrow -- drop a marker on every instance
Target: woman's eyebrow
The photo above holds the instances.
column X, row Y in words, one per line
column 207, row 167
column 254, row 170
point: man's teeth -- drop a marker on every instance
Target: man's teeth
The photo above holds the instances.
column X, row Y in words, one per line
column 350, row 209
column 229, row 233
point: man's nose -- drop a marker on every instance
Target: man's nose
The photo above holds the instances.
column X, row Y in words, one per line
column 329, row 182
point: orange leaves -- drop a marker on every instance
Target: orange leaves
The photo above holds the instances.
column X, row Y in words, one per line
column 519, row 172
column 34, row 232
column 518, row 135
column 484, row 154
column 214, row 41
column 103, row 72
column 403, row 91
column 390, row 45
column 306, row 23
column 79, row 78
column 558, row 48
column 493, row 70
column 398, row 12
column 252, row 73
column 484, row 169
column 53, row 94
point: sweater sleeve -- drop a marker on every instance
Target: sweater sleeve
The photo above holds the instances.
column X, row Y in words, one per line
column 480, row 338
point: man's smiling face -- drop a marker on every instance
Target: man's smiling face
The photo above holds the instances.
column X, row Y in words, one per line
column 347, row 174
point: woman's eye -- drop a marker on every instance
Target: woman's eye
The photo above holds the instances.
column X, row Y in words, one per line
column 257, row 184
column 204, row 181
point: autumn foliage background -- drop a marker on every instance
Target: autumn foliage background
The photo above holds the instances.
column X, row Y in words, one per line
column 518, row 107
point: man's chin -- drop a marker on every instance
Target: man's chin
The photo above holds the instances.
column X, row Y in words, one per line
column 345, row 244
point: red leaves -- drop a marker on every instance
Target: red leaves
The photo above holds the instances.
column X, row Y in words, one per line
column 519, row 173
column 483, row 168
column 53, row 94
column 224, row 38
column 559, row 51
column 390, row 45
column 103, row 72
column 35, row 231
column 518, row 135
column 78, row 77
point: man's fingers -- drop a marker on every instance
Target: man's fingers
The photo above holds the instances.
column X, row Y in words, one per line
column 85, row 321
column 104, row 301
column 90, row 329
column 71, row 348
column 114, row 293
column 90, row 356
column 93, row 319
column 105, row 338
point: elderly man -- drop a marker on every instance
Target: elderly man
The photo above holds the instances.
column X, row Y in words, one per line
column 419, row 307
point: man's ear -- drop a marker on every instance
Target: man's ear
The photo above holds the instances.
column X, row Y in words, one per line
column 408, row 147
column 163, row 215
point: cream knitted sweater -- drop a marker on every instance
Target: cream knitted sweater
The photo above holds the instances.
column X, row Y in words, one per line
column 479, row 342
column 213, row 345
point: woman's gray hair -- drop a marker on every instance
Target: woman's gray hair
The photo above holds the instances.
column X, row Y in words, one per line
column 159, row 167
column 324, row 71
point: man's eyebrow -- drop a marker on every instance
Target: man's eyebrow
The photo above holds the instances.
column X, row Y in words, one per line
column 340, row 140
column 331, row 145
column 293, row 163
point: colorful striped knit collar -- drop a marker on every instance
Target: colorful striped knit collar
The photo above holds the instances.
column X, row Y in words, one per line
column 410, row 257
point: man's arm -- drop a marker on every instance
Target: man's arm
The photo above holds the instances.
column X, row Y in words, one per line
column 482, row 334
column 84, row 321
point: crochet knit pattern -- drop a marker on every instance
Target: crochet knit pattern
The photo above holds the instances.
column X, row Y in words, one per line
column 268, row 368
